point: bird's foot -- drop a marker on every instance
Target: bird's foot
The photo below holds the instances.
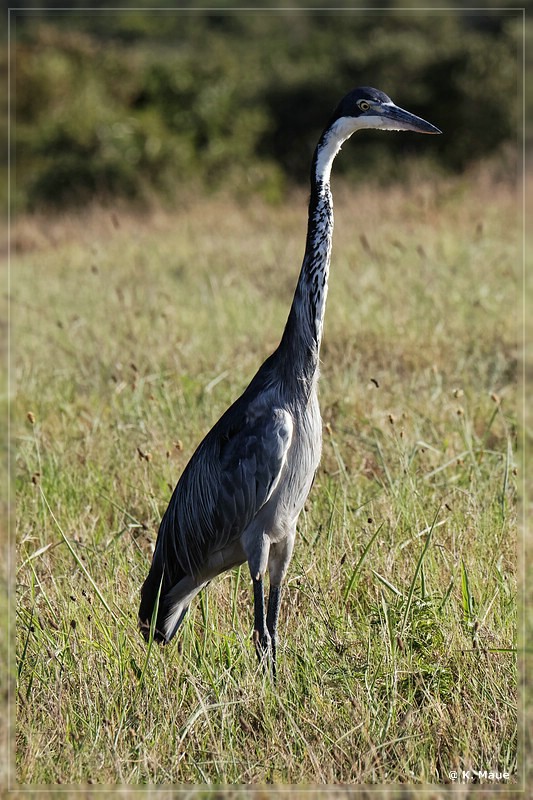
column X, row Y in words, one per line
column 265, row 649
column 145, row 629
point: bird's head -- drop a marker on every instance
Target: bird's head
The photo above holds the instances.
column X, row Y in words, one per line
column 369, row 108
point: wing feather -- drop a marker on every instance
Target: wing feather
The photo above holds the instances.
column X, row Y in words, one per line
column 228, row 480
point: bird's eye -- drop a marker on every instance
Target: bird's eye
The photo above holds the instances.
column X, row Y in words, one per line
column 363, row 105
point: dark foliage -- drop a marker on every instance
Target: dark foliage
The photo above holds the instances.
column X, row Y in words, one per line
column 137, row 103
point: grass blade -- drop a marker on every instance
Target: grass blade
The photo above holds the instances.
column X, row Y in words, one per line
column 360, row 562
column 417, row 570
column 77, row 559
column 387, row 583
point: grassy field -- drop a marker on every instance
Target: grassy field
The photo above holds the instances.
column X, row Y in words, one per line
column 399, row 621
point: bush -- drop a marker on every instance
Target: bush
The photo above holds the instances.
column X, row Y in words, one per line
column 132, row 103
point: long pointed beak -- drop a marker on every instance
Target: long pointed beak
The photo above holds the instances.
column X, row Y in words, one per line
column 402, row 120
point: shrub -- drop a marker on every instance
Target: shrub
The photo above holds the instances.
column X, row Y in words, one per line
column 132, row 104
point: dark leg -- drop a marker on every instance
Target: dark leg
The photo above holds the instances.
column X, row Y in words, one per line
column 261, row 634
column 274, row 599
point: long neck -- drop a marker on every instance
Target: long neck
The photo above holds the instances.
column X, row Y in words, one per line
column 303, row 331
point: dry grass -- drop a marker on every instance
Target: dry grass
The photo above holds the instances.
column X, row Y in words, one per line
column 398, row 629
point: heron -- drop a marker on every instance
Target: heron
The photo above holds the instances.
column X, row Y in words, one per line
column 239, row 497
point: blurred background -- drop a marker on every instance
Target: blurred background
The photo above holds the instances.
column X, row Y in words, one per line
column 149, row 106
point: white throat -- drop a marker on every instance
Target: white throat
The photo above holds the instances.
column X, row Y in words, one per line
column 341, row 130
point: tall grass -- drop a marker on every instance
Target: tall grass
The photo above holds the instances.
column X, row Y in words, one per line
column 398, row 627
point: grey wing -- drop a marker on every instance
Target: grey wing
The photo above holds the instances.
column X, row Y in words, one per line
column 227, row 481
column 251, row 465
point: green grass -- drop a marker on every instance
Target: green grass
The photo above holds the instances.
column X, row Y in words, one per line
column 397, row 656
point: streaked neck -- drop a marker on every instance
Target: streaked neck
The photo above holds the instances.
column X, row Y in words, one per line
column 303, row 332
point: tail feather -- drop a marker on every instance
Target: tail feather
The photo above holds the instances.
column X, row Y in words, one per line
column 177, row 601
column 154, row 593
column 172, row 601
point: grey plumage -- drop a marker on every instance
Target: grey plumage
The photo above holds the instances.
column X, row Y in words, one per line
column 243, row 489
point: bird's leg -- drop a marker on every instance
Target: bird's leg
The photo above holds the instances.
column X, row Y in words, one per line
column 278, row 561
column 274, row 600
column 261, row 634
